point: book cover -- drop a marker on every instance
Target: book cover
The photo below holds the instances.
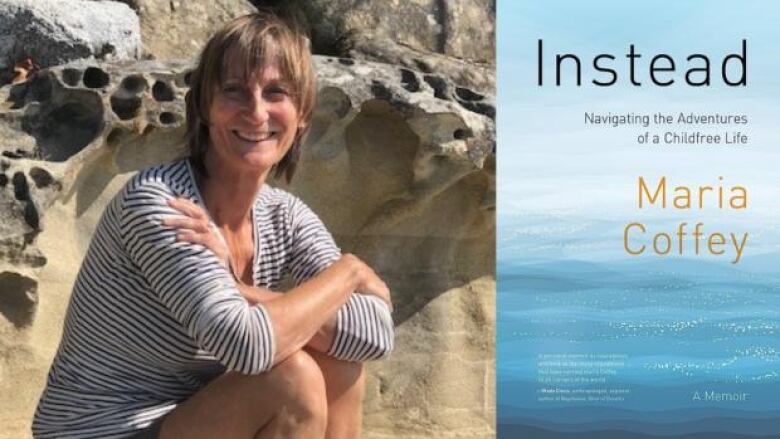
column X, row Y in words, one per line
column 638, row 240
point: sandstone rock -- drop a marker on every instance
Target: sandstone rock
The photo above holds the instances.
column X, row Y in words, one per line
column 456, row 28
column 454, row 38
column 478, row 75
column 53, row 32
column 399, row 165
column 175, row 29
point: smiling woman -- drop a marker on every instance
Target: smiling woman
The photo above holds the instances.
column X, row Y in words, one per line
column 176, row 326
column 242, row 79
column 253, row 121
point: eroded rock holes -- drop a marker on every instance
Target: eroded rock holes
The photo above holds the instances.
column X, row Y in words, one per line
column 71, row 77
column 409, row 80
column 95, row 78
column 162, row 92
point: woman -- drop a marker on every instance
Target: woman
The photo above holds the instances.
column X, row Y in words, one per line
column 173, row 329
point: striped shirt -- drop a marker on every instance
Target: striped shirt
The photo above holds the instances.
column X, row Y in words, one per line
column 152, row 320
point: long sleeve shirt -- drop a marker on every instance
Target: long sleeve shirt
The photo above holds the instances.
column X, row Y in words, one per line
column 152, row 320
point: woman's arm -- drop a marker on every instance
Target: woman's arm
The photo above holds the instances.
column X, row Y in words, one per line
column 200, row 293
column 307, row 314
column 361, row 329
column 321, row 341
column 191, row 282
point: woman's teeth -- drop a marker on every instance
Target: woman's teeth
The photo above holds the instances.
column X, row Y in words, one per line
column 254, row 137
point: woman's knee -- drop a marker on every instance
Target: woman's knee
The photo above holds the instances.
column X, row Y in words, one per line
column 291, row 396
column 299, row 380
column 340, row 376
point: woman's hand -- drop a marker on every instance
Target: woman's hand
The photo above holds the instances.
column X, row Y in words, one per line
column 197, row 228
column 367, row 280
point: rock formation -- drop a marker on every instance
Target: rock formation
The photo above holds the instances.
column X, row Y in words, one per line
column 454, row 38
column 399, row 164
column 53, row 32
column 178, row 28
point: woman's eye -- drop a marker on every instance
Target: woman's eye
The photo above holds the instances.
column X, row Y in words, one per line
column 277, row 93
column 233, row 91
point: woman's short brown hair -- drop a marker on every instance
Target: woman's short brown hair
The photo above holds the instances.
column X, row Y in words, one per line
column 253, row 41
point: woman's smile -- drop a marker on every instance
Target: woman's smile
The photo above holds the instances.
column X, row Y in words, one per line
column 253, row 121
column 249, row 136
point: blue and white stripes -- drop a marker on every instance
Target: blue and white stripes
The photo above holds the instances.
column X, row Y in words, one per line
column 151, row 320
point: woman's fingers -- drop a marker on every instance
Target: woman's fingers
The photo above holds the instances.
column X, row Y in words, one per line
column 189, row 236
column 380, row 290
column 207, row 239
column 195, row 218
column 188, row 208
column 373, row 285
column 195, row 225
column 368, row 282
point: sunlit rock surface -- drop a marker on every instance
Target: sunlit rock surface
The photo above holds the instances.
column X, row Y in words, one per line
column 454, row 38
column 399, row 164
column 53, row 32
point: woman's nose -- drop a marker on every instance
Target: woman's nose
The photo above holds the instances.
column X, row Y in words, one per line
column 258, row 107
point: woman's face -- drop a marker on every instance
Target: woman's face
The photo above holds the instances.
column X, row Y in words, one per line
column 252, row 121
